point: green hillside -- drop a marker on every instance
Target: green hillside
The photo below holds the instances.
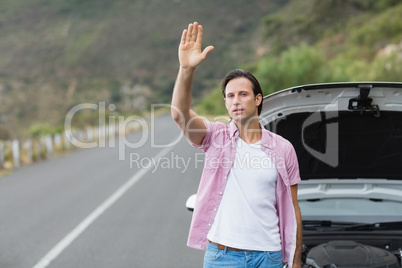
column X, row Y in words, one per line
column 315, row 41
column 56, row 54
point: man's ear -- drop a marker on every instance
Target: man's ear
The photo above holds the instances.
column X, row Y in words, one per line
column 258, row 99
column 224, row 99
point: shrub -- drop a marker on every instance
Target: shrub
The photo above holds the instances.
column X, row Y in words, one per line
column 299, row 65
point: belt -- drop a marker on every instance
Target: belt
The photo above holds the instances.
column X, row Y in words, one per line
column 222, row 247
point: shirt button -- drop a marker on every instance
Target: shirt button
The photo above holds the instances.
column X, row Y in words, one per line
column 214, row 209
column 209, row 224
column 220, row 193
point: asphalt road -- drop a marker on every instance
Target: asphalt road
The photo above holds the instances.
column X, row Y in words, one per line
column 91, row 209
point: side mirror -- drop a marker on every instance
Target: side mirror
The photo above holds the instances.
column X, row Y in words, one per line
column 190, row 203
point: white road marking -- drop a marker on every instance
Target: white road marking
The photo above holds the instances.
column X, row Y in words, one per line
column 82, row 226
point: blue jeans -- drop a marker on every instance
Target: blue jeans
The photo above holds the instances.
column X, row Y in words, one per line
column 215, row 258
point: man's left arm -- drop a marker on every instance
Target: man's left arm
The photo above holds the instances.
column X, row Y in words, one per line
column 299, row 234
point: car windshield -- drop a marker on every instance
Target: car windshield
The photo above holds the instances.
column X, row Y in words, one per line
column 351, row 209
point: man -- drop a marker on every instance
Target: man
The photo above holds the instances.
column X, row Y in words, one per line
column 246, row 211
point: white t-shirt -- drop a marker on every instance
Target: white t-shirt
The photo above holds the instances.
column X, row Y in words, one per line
column 247, row 216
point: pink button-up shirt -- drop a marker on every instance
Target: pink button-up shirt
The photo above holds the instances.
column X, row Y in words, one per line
column 219, row 145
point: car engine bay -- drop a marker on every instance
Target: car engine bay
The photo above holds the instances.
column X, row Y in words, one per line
column 352, row 251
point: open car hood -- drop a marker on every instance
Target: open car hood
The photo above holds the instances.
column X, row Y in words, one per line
column 340, row 130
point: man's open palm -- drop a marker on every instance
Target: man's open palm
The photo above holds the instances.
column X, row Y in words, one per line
column 190, row 54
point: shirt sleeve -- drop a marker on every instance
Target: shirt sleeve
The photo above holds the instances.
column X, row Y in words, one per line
column 207, row 139
column 292, row 166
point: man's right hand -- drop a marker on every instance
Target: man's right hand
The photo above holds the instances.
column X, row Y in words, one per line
column 190, row 54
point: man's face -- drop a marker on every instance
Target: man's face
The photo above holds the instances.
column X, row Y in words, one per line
column 240, row 100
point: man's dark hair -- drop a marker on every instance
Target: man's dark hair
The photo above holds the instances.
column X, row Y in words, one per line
column 241, row 73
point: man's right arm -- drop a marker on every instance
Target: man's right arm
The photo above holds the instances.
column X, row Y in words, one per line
column 190, row 56
column 188, row 121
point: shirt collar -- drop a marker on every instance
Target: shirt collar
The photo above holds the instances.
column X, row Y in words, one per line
column 233, row 131
column 267, row 139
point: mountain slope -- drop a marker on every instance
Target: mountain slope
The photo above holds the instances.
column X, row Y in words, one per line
column 56, row 53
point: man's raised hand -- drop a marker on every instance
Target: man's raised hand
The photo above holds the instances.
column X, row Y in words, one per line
column 190, row 53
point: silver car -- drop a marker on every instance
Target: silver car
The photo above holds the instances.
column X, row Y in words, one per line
column 348, row 139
